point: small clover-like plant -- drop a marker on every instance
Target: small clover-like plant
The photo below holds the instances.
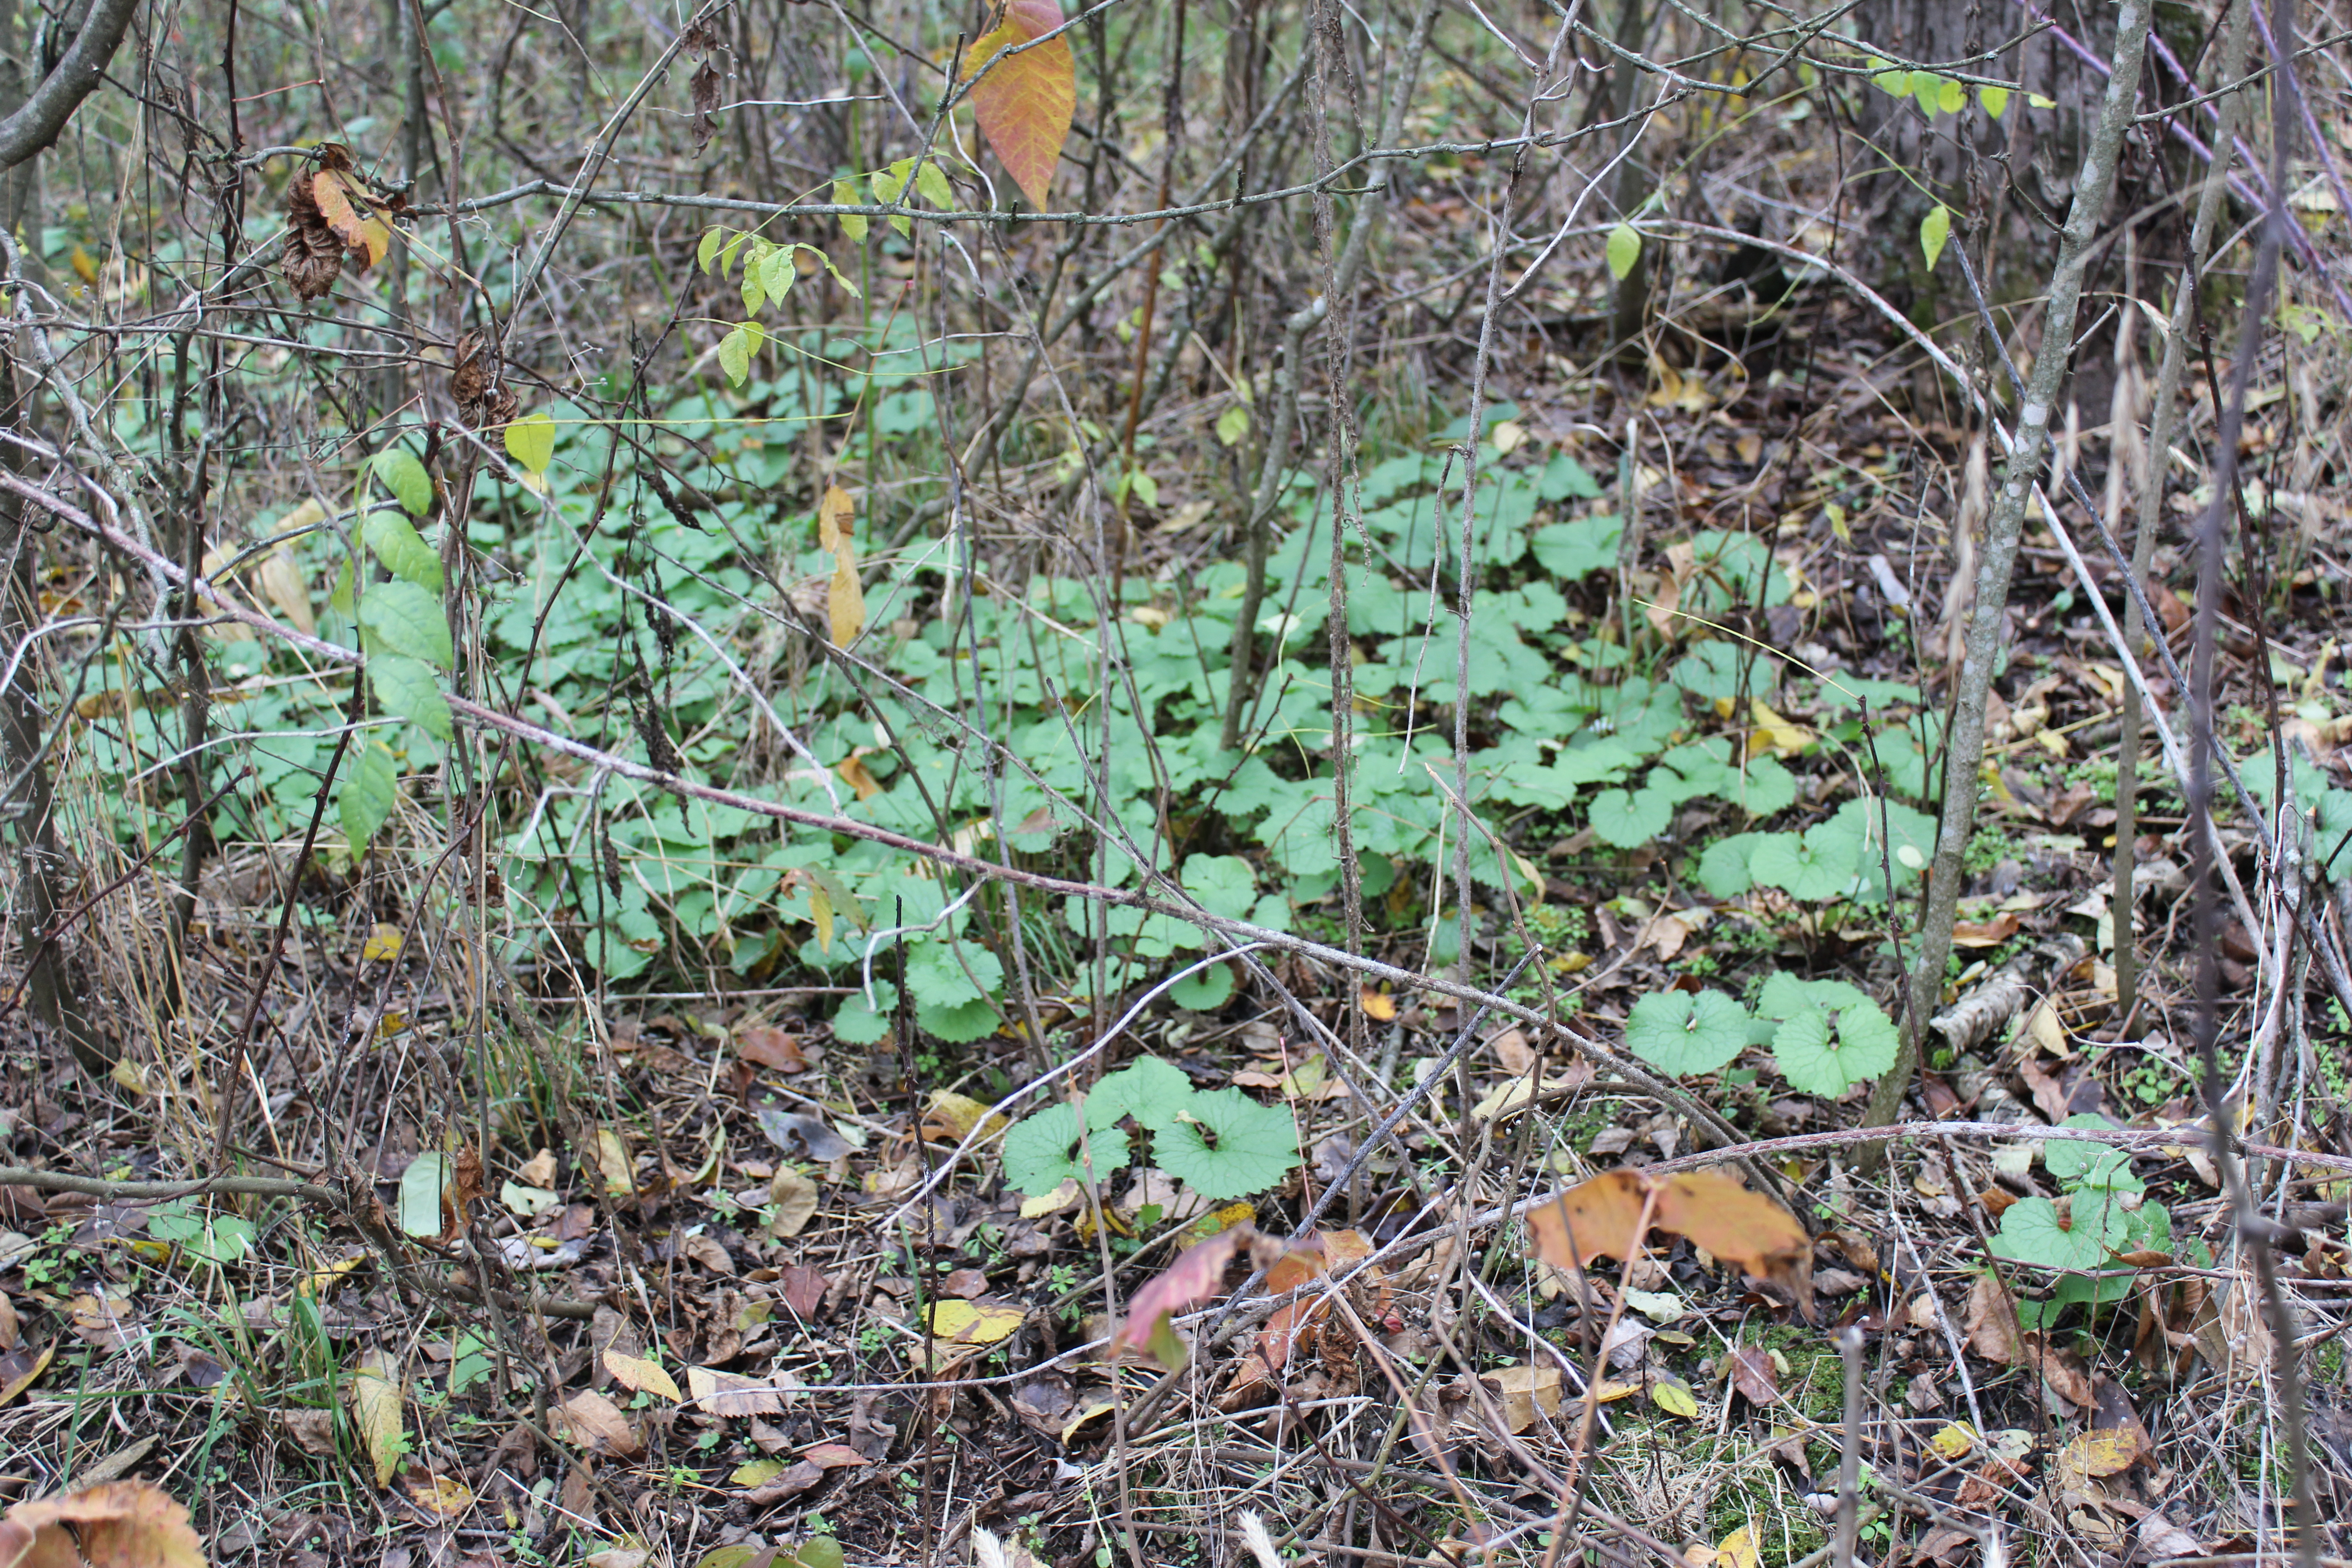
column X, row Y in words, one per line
column 2101, row 1225
column 1222, row 1144
column 1830, row 1036
column 1687, row 1032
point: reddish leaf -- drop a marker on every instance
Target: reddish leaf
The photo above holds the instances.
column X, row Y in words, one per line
column 1025, row 103
column 1315, row 1254
column 1191, row 1280
column 802, row 1289
column 833, row 1456
column 1753, row 1374
column 771, row 1047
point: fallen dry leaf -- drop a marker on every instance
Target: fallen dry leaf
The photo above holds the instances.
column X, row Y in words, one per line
column 115, row 1524
column 596, row 1424
column 724, row 1394
column 770, row 1047
column 1601, row 1217
column 640, row 1375
column 802, row 1289
column 1526, row 1392
column 793, row 1203
column 1753, row 1375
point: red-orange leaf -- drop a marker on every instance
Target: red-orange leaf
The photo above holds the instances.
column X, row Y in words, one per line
column 1592, row 1219
column 1602, row 1217
column 1190, row 1280
column 1025, row 101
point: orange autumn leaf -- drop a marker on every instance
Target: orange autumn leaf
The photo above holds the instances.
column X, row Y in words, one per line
column 1602, row 1217
column 352, row 216
column 1025, row 103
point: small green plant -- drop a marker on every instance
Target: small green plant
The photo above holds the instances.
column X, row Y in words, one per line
column 2100, row 1217
column 1826, row 1035
column 1222, row 1144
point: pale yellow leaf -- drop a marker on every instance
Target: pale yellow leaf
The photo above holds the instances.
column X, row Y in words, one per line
column 1774, row 734
column 845, row 598
column 1528, row 1392
column 377, row 1398
column 641, row 1374
column 446, row 1497
column 282, row 585
column 612, row 1162
column 836, row 518
column 725, row 1393
column 793, row 1197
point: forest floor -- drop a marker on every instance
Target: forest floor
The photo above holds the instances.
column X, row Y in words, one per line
column 752, row 1260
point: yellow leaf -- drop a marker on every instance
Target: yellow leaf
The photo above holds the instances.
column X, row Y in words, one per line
column 1774, row 734
column 951, row 1118
column 641, row 1374
column 84, row 267
column 1064, row 1196
column 756, row 1473
column 1674, row 1400
column 844, row 599
column 377, row 1396
column 282, row 585
column 24, row 1377
column 836, row 518
column 1954, row 1442
column 443, row 1496
column 1223, row 1217
column 821, row 911
column 1737, row 1549
column 612, row 1162
column 352, row 215
column 532, row 441
column 319, row 1281
column 1528, row 1392
column 1377, row 1004
column 974, row 1322
column 1609, row 1390
column 383, row 945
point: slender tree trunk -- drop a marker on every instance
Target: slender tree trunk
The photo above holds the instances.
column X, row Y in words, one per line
column 2151, row 500
column 29, row 813
column 1965, row 751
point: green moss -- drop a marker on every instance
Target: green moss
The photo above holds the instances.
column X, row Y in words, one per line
column 1815, row 1380
column 1756, row 1494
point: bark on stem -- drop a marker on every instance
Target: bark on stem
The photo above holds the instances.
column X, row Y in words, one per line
column 1238, row 676
column 2151, row 499
column 1965, row 751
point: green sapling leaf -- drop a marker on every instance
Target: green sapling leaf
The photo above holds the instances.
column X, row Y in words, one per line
column 1041, row 1151
column 1228, row 1145
column 1687, row 1032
